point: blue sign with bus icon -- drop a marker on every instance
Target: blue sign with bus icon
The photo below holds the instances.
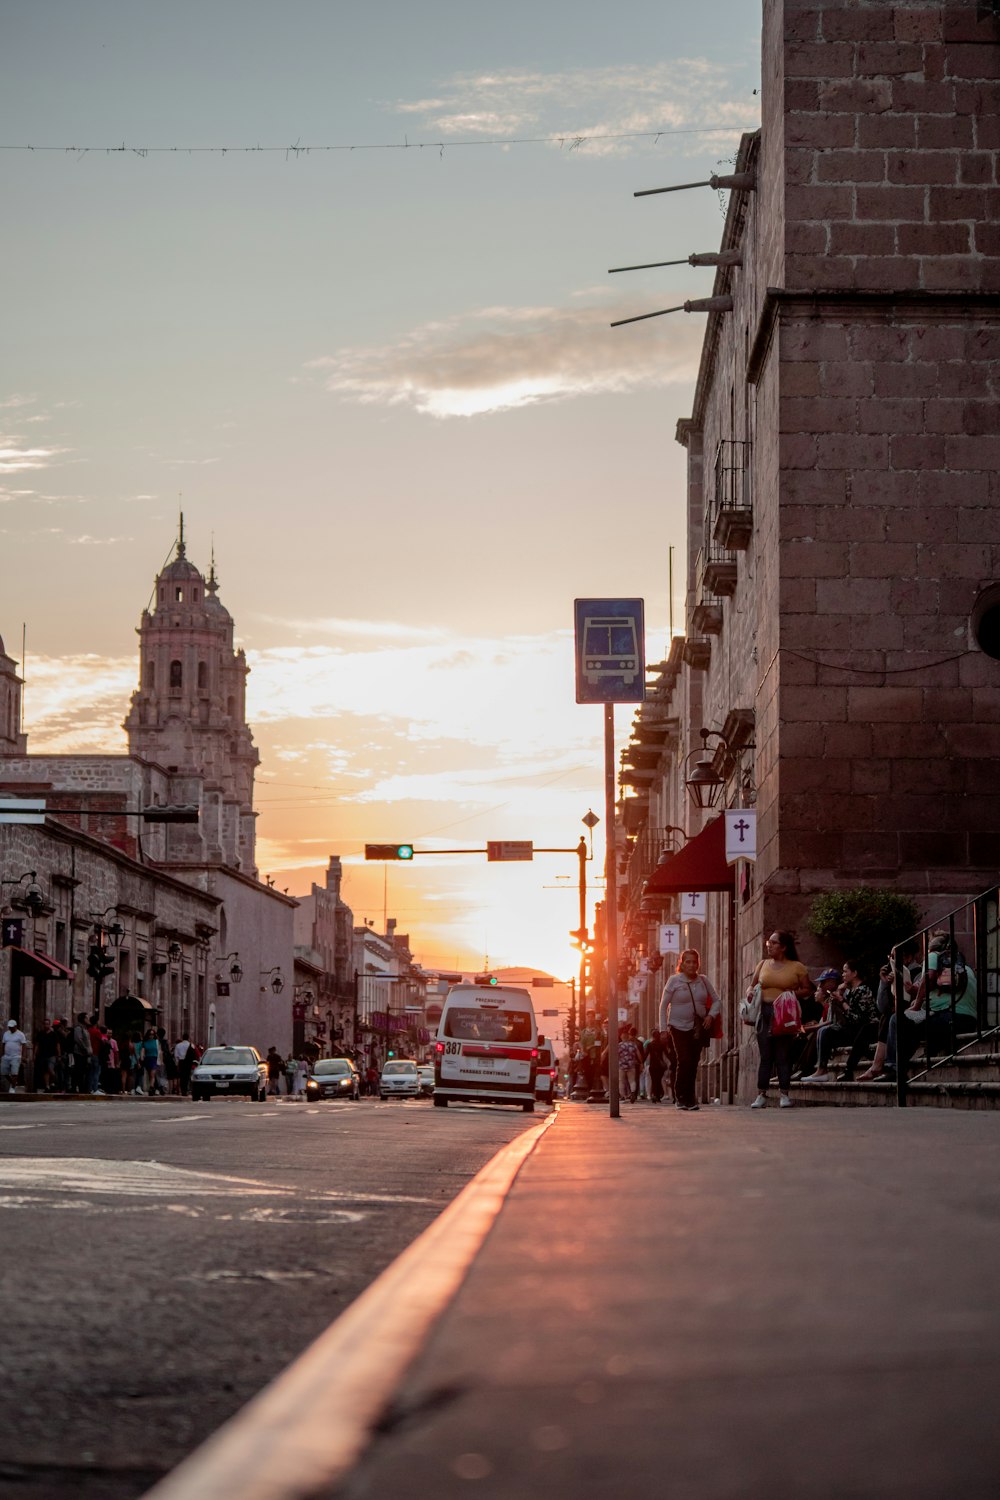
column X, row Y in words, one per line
column 610, row 651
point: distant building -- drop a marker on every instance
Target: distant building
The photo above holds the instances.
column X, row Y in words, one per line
column 221, row 964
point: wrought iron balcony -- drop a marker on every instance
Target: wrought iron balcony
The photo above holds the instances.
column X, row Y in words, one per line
column 732, row 515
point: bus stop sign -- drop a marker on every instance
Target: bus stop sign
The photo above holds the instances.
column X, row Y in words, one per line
column 610, row 651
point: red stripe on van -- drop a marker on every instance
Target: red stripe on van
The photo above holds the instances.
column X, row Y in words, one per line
column 519, row 1054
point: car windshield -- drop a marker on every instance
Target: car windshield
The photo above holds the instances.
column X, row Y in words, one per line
column 223, row 1056
column 470, row 1024
column 400, row 1067
column 331, row 1066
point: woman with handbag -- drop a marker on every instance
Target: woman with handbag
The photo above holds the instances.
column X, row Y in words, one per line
column 779, row 971
column 689, row 1006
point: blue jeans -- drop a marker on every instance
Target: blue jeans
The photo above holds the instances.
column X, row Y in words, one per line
column 775, row 1052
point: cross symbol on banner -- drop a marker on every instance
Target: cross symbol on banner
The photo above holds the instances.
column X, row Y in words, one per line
column 742, row 828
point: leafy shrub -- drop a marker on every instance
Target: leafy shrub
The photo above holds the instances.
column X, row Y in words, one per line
column 864, row 923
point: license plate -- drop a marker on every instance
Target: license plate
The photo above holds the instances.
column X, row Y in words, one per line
column 221, row 1083
column 487, row 1062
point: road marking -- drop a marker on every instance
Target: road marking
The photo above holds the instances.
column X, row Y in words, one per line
column 178, row 1120
column 153, row 1179
column 306, row 1430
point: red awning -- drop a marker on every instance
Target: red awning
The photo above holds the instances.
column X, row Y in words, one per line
column 39, row 965
column 699, row 866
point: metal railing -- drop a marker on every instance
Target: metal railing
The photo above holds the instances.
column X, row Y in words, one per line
column 732, row 476
column 968, row 939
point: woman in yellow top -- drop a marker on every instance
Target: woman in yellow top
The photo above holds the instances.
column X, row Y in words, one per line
column 779, row 971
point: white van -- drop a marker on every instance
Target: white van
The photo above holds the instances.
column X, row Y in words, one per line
column 487, row 1046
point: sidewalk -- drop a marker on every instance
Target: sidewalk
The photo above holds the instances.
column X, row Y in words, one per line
column 799, row 1304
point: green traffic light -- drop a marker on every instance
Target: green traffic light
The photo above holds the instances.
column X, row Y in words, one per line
column 404, row 851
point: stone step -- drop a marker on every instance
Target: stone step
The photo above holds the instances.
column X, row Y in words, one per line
column 973, row 1094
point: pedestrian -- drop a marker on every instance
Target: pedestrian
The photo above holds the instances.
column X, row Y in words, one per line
column 94, row 1070
column 275, row 1069
column 656, row 1062
column 185, row 1057
column 688, row 1005
column 46, row 1056
column 149, row 1060
column 13, row 1044
column 83, row 1054
column 629, row 1059
column 168, row 1068
column 110, row 1076
column 778, row 971
column 64, row 1055
column 299, row 1076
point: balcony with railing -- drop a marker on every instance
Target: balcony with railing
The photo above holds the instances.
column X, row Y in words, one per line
column 706, row 616
column 717, row 573
column 732, row 513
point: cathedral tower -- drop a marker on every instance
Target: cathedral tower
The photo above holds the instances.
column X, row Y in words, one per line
column 12, row 741
column 188, row 713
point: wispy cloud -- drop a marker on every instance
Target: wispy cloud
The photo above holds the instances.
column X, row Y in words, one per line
column 501, row 358
column 375, row 630
column 676, row 95
column 16, row 457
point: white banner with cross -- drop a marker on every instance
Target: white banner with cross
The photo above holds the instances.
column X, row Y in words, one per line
column 741, row 834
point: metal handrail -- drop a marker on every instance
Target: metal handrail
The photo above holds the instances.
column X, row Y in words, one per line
column 978, row 921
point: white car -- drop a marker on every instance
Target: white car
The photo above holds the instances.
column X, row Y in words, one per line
column 399, row 1080
column 230, row 1070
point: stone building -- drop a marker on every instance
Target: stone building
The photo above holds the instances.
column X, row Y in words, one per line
column 324, row 938
column 843, row 479
column 224, row 963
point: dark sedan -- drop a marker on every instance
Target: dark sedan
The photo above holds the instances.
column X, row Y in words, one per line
column 333, row 1078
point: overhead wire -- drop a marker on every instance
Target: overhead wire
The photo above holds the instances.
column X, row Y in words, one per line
column 573, row 140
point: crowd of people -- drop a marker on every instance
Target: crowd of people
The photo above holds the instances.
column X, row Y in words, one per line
column 86, row 1058
column 800, row 1024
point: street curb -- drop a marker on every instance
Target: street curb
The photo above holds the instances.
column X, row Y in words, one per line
column 310, row 1426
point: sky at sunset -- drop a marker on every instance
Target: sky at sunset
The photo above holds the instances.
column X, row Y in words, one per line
column 379, row 378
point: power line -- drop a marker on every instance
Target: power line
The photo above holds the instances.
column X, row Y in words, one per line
column 570, row 140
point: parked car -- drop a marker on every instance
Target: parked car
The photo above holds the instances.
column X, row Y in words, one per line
column 333, row 1078
column 399, row 1080
column 425, row 1072
column 230, row 1070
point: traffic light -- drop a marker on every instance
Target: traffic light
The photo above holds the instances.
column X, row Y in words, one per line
column 99, row 963
column 487, row 979
column 581, row 938
column 388, row 851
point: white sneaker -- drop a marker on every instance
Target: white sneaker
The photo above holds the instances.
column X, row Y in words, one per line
column 817, row 1078
column 784, row 1102
column 139, row 1091
column 760, row 1102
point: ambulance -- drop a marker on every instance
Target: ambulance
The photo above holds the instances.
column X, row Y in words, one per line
column 487, row 1046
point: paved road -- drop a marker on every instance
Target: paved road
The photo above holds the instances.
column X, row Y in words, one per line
column 163, row 1261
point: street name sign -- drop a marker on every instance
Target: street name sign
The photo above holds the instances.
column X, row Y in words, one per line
column 500, row 849
column 610, row 650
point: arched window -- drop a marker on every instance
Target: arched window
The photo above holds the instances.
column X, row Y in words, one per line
column 176, row 676
column 151, row 675
column 203, row 674
column 231, row 707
